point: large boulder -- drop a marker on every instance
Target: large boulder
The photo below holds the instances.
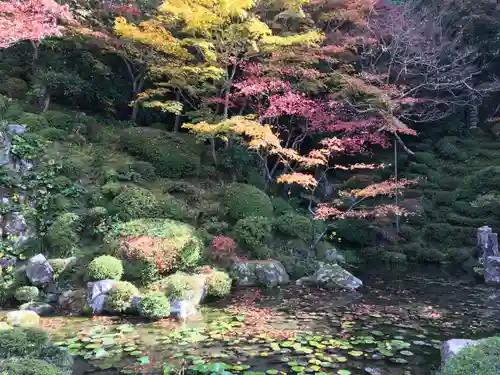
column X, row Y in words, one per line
column 332, row 276
column 23, row 318
column 41, row 308
column 98, row 293
column 451, row 347
column 270, row 273
column 39, row 271
column 73, row 301
column 492, row 270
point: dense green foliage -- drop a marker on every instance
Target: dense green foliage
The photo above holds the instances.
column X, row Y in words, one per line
column 105, row 267
column 26, row 293
column 120, row 297
column 22, row 366
column 154, row 305
column 218, row 284
column 246, row 200
column 483, row 358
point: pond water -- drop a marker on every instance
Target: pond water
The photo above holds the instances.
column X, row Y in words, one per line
column 393, row 327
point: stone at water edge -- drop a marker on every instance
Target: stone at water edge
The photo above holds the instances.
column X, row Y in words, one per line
column 270, row 273
column 42, row 309
column 73, row 301
column 492, row 271
column 451, row 347
column 23, row 318
column 183, row 309
column 39, row 271
column 332, row 276
column 98, row 293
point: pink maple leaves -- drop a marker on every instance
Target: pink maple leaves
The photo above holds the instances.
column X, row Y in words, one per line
column 30, row 20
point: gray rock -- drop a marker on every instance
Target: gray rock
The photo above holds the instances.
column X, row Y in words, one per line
column 73, row 301
column 39, row 271
column 16, row 129
column 23, row 318
column 492, row 270
column 452, row 347
column 97, row 294
column 270, row 273
column 14, row 224
column 333, row 277
column 183, row 309
column 487, row 244
column 42, row 309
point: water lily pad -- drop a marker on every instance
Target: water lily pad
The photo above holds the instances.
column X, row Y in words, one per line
column 399, row 360
column 343, row 372
column 341, row 359
column 406, row 353
column 143, row 360
column 356, row 353
column 298, row 368
column 272, row 372
column 135, row 353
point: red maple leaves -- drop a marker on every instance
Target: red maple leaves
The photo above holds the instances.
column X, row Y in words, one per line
column 30, row 20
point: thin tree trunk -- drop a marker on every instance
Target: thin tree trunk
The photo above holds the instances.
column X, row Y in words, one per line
column 177, row 123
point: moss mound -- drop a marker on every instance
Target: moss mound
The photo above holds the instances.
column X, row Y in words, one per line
column 244, row 200
column 481, row 359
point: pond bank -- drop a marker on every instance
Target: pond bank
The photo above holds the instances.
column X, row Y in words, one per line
column 393, row 326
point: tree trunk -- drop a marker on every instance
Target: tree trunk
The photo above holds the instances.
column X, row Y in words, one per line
column 177, row 123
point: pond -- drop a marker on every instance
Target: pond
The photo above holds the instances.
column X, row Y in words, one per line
column 393, row 327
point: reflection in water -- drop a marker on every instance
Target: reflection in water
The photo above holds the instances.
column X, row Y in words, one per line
column 394, row 326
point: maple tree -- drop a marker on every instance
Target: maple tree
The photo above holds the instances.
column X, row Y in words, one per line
column 31, row 20
column 305, row 91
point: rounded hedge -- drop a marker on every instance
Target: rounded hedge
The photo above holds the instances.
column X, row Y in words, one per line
column 134, row 202
column 253, row 232
column 295, row 226
column 178, row 286
column 120, row 297
column 105, row 267
column 244, row 200
column 28, row 366
column 482, row 359
column 154, row 306
column 26, row 293
column 167, row 244
column 218, row 284
column 172, row 155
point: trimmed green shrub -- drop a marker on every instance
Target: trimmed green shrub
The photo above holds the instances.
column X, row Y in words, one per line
column 53, row 134
column 154, row 305
column 218, row 284
column 448, row 150
column 62, row 268
column 135, row 202
column 357, row 233
column 22, row 342
column 145, row 169
column 295, row 226
column 449, row 235
column 120, row 297
column 33, row 122
column 481, row 359
column 181, row 286
column 484, row 181
column 244, row 200
column 62, row 238
column 253, row 231
column 426, row 158
column 105, row 267
column 167, row 244
column 59, row 120
column 111, row 189
column 281, row 206
column 26, row 293
column 15, row 88
column 419, row 253
column 23, row 366
column 173, row 156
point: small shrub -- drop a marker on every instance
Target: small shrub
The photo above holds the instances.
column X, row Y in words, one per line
column 120, row 297
column 145, row 169
column 253, row 231
column 53, row 134
column 111, row 189
column 426, row 158
column 295, row 226
column 222, row 247
column 154, row 305
column 27, row 366
column 33, row 122
column 281, row 206
column 14, row 87
column 180, row 286
column 246, row 200
column 218, row 284
column 173, row 156
column 21, row 342
column 60, row 120
column 482, row 359
column 62, row 238
column 27, row 293
column 105, row 267
column 62, row 268
column 135, row 202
